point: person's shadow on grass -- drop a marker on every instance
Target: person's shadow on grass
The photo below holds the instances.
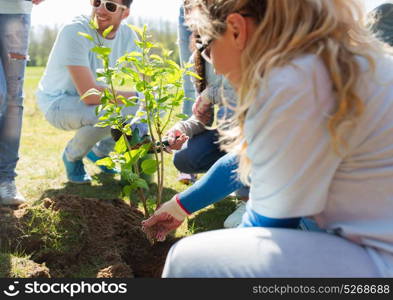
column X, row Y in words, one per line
column 213, row 217
column 106, row 186
column 103, row 186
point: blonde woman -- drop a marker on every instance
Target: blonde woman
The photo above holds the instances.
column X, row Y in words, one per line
column 314, row 133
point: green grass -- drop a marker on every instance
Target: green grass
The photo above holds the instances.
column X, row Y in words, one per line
column 41, row 173
column 58, row 231
column 15, row 265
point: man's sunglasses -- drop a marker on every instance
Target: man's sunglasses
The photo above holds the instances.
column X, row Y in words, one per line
column 109, row 5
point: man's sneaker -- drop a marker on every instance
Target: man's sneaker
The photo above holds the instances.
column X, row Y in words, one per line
column 9, row 194
column 94, row 158
column 75, row 170
column 235, row 218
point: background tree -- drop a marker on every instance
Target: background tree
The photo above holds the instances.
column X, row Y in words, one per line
column 43, row 37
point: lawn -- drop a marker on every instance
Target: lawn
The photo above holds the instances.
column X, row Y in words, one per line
column 41, row 175
column 41, row 172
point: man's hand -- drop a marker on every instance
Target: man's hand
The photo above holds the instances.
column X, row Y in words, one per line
column 165, row 219
column 203, row 109
column 176, row 139
column 37, row 1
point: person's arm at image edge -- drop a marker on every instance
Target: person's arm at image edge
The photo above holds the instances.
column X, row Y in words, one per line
column 217, row 184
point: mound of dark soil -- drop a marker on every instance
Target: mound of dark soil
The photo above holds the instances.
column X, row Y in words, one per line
column 84, row 237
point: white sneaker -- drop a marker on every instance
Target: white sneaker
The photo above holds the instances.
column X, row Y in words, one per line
column 235, row 218
column 9, row 195
column 232, row 195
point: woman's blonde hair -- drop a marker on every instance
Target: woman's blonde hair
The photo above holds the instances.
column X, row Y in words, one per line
column 331, row 29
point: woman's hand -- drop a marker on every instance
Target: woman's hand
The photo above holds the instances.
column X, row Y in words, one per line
column 176, row 139
column 165, row 219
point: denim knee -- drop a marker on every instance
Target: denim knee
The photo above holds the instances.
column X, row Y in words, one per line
column 3, row 94
column 3, row 106
column 199, row 153
column 243, row 193
column 183, row 163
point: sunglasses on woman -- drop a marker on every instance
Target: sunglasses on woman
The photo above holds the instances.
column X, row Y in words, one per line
column 110, row 6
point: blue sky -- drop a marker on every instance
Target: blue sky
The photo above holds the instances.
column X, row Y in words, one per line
column 59, row 11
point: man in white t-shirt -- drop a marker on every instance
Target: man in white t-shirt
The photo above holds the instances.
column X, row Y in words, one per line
column 14, row 39
column 71, row 71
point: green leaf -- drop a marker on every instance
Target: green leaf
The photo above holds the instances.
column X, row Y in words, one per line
column 107, row 162
column 107, row 31
column 93, row 23
column 127, row 127
column 101, row 50
column 188, row 65
column 134, row 54
column 139, row 44
column 102, row 124
column 127, row 190
column 140, row 114
column 135, row 139
column 104, row 117
column 163, row 99
column 133, row 156
column 141, row 183
column 91, row 92
column 131, row 102
column 136, row 29
column 182, row 116
column 149, row 166
column 87, row 36
column 98, row 109
column 140, row 87
column 127, row 174
column 149, row 45
column 121, row 98
column 144, row 149
column 193, row 75
column 172, row 64
column 121, row 145
column 156, row 57
column 130, row 159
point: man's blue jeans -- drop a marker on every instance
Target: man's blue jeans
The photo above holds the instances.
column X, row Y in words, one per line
column 14, row 39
